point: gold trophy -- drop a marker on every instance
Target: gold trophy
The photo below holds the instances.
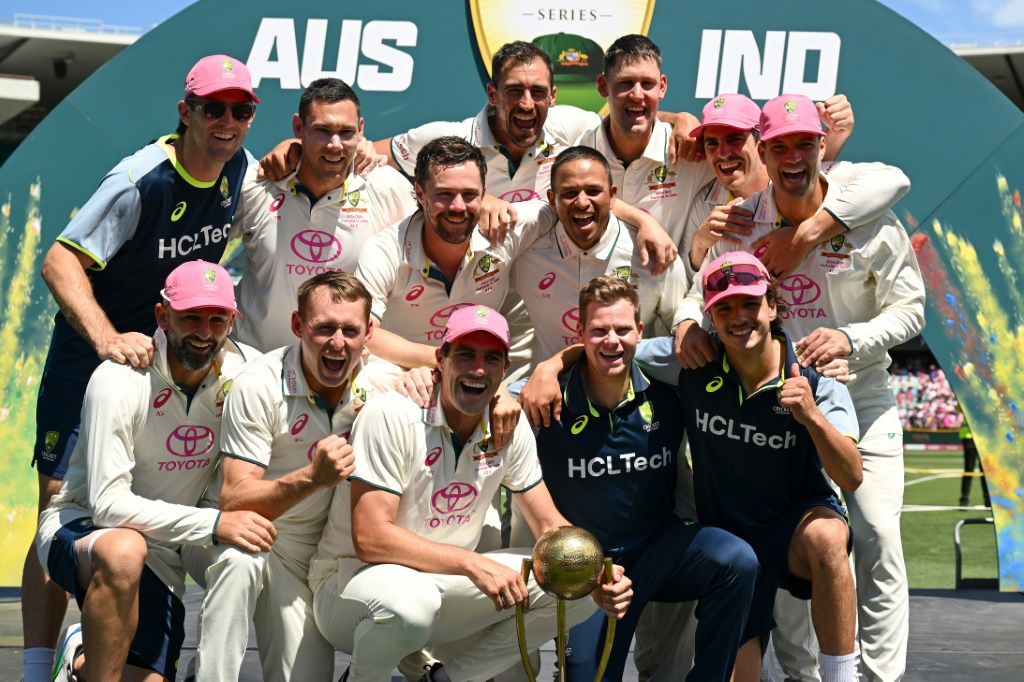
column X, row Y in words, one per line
column 567, row 564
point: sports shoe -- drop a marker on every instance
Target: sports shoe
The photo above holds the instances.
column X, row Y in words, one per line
column 69, row 647
column 435, row 673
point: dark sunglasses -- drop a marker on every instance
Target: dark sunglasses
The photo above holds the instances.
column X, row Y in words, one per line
column 213, row 109
column 742, row 274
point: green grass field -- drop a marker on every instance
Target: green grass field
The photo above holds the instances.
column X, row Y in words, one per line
column 933, row 480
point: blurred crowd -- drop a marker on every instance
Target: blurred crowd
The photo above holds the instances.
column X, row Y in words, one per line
column 923, row 396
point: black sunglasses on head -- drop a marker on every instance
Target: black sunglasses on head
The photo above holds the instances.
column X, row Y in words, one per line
column 741, row 273
column 212, row 109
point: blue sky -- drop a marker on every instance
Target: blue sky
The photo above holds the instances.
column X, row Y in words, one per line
column 942, row 18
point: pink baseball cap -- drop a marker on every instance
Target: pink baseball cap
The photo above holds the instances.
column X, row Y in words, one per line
column 732, row 111
column 198, row 284
column 788, row 114
column 216, row 73
column 736, row 273
column 476, row 318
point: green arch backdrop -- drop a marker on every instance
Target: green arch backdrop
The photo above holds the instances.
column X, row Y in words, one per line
column 918, row 106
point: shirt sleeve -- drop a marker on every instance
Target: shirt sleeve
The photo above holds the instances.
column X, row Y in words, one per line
column 406, row 146
column 675, row 286
column 868, row 191
column 568, row 123
column 242, row 221
column 110, row 421
column 377, row 269
column 535, row 218
column 109, row 218
column 834, row 401
column 380, row 445
column 396, row 193
column 522, row 469
column 899, row 297
column 250, row 420
column 657, row 358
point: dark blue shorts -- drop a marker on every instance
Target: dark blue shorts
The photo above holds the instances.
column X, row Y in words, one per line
column 161, row 630
column 772, row 550
column 58, row 415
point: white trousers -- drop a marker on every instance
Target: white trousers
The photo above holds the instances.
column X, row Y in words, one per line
column 271, row 589
column 883, row 598
column 380, row 613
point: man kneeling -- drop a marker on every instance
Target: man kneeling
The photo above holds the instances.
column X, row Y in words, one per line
column 423, row 480
column 148, row 448
column 761, row 429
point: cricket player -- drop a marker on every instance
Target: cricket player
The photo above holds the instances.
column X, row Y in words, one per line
column 398, row 572
column 149, row 445
column 168, row 203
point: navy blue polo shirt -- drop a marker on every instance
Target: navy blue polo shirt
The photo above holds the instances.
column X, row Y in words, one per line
column 752, row 460
column 613, row 472
column 147, row 217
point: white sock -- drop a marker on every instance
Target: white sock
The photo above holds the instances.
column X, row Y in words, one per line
column 38, row 663
column 834, row 668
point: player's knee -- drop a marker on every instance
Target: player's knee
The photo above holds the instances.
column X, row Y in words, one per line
column 410, row 618
column 823, row 543
column 238, row 567
column 736, row 558
column 118, row 557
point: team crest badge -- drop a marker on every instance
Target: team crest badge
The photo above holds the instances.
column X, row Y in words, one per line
column 485, row 264
column 574, row 35
column 481, row 312
column 227, row 386
column 210, row 275
column 623, row 272
column 837, row 242
column 353, row 198
column 660, row 174
column 51, row 440
column 790, row 106
column 228, row 65
column 719, row 102
column 224, row 189
column 647, row 412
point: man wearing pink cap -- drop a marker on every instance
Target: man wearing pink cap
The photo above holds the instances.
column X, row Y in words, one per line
column 403, row 574
column 149, row 445
column 857, row 295
column 761, row 431
column 168, row 203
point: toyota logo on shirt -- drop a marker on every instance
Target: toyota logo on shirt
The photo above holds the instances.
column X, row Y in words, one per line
column 440, row 318
column 189, row 440
column 314, row 246
column 801, row 290
column 571, row 319
column 454, row 498
column 518, row 195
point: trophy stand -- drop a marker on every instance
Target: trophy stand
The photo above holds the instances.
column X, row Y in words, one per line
column 567, row 564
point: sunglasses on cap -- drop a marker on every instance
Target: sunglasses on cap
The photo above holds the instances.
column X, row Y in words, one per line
column 213, row 109
column 741, row 273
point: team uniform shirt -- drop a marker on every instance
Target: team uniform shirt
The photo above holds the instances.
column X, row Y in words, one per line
column 529, row 181
column 624, row 458
column 410, row 297
column 288, row 238
column 407, row 450
column 753, row 462
column 868, row 190
column 532, row 178
column 865, row 283
column 274, row 421
column 146, row 453
column 147, row 217
column 552, row 271
column 665, row 190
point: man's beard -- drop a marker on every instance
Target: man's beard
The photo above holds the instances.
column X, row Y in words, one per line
column 189, row 359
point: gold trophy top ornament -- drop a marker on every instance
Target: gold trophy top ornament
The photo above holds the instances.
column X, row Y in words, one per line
column 567, row 562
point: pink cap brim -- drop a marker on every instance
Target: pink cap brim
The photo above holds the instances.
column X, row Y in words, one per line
column 758, row 289
column 222, row 87
column 201, row 302
column 725, row 123
column 791, row 130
